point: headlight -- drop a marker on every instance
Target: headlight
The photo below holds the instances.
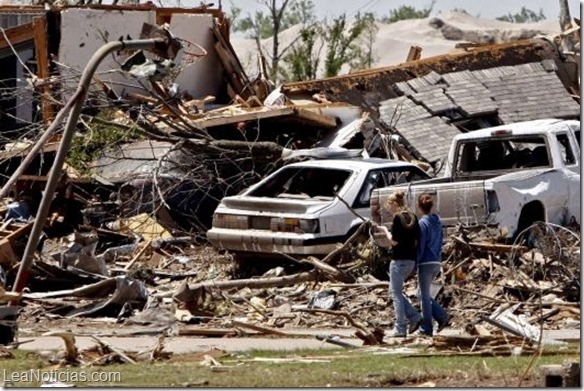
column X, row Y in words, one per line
column 230, row 221
column 284, row 224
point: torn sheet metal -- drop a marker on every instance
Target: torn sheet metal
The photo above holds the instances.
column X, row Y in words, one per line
column 514, row 324
column 122, row 290
column 79, row 253
column 142, row 158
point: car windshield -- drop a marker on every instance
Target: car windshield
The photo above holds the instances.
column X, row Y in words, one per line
column 303, row 183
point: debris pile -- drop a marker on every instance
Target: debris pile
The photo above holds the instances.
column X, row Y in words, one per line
column 124, row 239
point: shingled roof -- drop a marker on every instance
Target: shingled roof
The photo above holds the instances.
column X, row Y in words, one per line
column 428, row 106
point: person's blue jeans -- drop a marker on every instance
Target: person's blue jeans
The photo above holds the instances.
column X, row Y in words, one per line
column 430, row 308
column 399, row 270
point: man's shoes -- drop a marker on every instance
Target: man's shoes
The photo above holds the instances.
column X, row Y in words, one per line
column 396, row 334
column 415, row 325
column 441, row 326
column 422, row 334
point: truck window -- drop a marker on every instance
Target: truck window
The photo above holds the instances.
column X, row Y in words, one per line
column 565, row 149
column 502, row 154
column 483, row 156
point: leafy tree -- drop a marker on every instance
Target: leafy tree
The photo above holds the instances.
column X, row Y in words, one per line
column 364, row 57
column 523, row 16
column 342, row 43
column 280, row 15
column 406, row 12
column 304, row 57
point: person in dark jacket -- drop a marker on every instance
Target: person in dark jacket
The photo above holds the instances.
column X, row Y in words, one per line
column 429, row 257
column 403, row 238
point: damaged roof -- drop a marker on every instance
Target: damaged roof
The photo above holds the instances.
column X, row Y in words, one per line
column 429, row 101
column 426, row 113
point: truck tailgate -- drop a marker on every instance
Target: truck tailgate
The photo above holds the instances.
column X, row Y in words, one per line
column 455, row 202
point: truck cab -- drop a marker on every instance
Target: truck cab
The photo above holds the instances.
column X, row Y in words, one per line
column 508, row 176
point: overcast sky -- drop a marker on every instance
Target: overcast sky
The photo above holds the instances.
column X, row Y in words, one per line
column 484, row 8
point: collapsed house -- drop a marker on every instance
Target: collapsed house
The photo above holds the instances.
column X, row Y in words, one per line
column 428, row 101
column 206, row 130
column 209, row 99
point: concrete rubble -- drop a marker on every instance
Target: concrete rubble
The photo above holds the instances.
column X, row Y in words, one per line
column 124, row 243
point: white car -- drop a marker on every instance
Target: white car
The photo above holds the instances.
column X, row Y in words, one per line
column 297, row 210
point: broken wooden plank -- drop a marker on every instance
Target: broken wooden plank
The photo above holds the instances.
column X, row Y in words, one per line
column 138, row 255
column 43, row 70
column 231, row 64
column 117, row 351
column 206, row 331
column 366, row 335
column 244, row 115
column 184, row 292
column 258, row 328
column 414, row 54
column 495, row 247
column 332, row 272
column 17, row 35
column 6, row 297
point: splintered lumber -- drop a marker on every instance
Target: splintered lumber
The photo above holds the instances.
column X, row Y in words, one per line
column 253, row 114
column 235, row 73
column 332, row 272
column 138, row 255
column 365, row 334
column 544, row 315
column 494, row 247
column 71, row 352
column 6, row 297
column 414, row 54
column 253, row 283
column 260, row 329
column 122, row 355
column 43, row 71
column 8, row 234
column 206, row 331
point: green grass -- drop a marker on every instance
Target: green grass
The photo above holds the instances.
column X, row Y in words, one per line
column 345, row 369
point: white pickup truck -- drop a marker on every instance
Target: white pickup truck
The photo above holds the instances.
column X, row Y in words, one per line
column 298, row 209
column 508, row 176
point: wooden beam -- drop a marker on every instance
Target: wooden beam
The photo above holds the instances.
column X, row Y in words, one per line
column 43, row 71
column 233, row 68
column 233, row 118
column 164, row 15
column 323, row 120
column 414, row 54
column 17, row 35
column 377, row 82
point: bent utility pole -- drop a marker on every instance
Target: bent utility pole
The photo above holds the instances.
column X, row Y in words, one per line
column 77, row 101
